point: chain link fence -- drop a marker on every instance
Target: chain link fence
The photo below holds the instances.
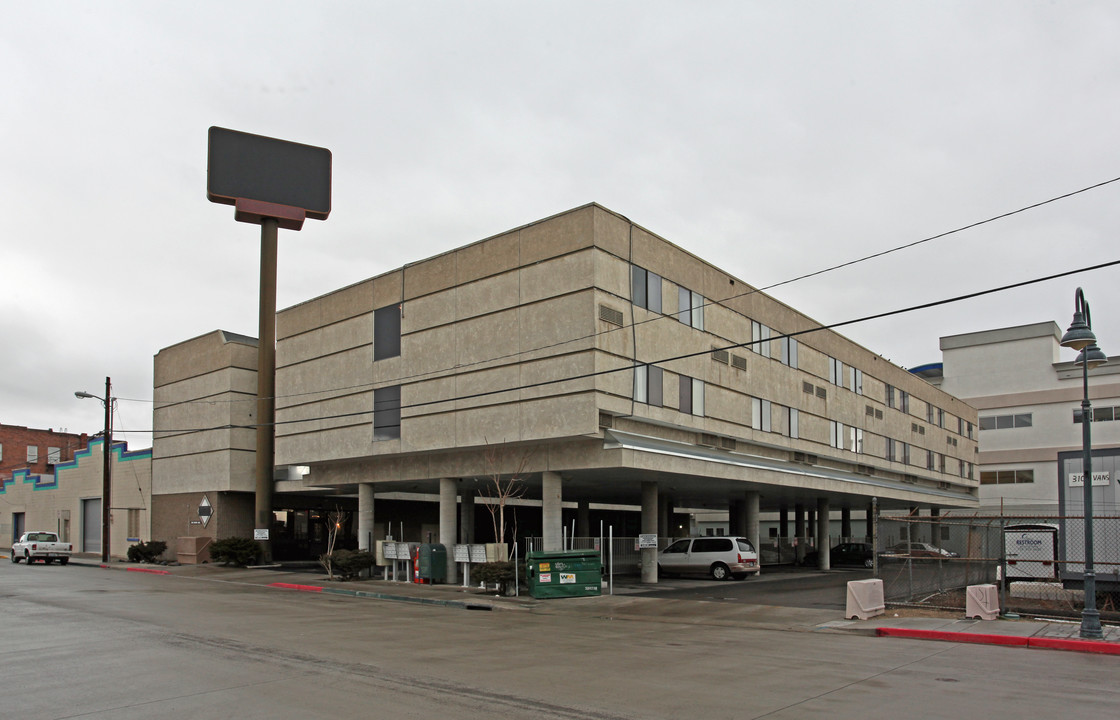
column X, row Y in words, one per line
column 1037, row 561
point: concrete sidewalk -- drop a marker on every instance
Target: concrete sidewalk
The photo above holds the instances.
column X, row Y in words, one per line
column 628, row 604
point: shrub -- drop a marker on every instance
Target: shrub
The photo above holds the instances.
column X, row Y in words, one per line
column 240, row 551
column 499, row 573
column 146, row 551
column 349, row 564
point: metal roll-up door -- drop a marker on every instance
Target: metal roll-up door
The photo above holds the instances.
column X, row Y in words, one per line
column 91, row 525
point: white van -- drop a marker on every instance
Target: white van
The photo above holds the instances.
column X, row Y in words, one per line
column 720, row 557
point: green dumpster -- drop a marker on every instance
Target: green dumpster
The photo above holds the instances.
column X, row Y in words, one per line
column 433, row 563
column 564, row 573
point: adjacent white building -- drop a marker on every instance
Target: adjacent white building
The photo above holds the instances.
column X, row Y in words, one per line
column 1028, row 393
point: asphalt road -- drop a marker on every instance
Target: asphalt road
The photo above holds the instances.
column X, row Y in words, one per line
column 783, row 586
column 83, row 642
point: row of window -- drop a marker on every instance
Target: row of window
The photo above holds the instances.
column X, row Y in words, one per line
column 1005, row 422
column 646, row 292
column 1006, row 477
column 54, row 455
column 649, row 389
column 1100, row 414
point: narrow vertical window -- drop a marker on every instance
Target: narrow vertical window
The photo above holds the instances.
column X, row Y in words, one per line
column 638, row 286
column 653, row 292
column 698, row 397
column 641, row 383
column 685, row 404
column 789, row 351
column 656, row 386
column 684, row 305
column 697, row 311
column 387, row 332
column 856, row 381
column 387, row 413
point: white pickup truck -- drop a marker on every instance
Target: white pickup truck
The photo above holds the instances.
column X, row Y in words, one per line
column 41, row 545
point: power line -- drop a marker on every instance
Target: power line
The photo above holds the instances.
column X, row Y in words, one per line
column 684, row 356
column 707, row 303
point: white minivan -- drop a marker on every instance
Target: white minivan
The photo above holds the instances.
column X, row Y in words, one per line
column 720, row 557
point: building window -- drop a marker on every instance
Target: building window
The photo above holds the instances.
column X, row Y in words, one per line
column 1100, row 414
column 54, row 455
column 855, row 437
column 940, row 418
column 387, row 332
column 929, row 413
column 789, row 351
column 32, row 453
column 1006, row 477
column 690, row 307
column 387, row 413
column 836, row 434
column 855, row 380
column 835, row 371
column 905, row 453
column 760, row 339
column 133, row 524
column 648, row 386
column 760, row 414
column 890, row 396
column 904, row 401
column 931, row 461
column 794, row 423
column 645, row 288
column 891, row 449
column 691, row 396
column 1, row 451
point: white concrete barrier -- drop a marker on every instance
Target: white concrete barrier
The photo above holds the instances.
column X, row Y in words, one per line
column 865, row 599
column 982, row 602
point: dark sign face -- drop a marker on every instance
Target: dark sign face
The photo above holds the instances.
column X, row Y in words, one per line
column 253, row 167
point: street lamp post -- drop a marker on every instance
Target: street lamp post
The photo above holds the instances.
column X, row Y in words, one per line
column 107, row 464
column 1080, row 337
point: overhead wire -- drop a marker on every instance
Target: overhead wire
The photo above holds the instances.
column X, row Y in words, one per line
column 683, row 356
column 707, row 303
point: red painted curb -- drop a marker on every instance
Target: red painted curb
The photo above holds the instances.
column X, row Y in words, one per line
column 953, row 636
column 302, row 588
column 147, row 570
column 1093, row 646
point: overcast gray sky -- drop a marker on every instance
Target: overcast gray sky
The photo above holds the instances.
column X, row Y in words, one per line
column 770, row 139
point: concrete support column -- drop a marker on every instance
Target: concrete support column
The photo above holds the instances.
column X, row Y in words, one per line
column 552, row 516
column 783, row 522
column 649, row 526
column 846, row 524
column 448, row 522
column 583, row 519
column 799, row 530
column 466, row 517
column 822, row 534
column 733, row 509
column 365, row 517
column 811, row 525
column 752, row 506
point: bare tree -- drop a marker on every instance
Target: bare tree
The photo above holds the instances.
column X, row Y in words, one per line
column 335, row 520
column 502, row 487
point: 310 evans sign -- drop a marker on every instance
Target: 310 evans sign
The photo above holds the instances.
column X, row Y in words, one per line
column 1099, row 478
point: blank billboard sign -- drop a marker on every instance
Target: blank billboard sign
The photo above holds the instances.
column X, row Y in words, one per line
column 242, row 166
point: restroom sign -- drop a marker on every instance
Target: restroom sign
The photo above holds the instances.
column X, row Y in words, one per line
column 1101, row 478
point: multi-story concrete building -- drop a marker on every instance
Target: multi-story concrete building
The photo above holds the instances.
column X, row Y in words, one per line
column 1028, row 393
column 602, row 365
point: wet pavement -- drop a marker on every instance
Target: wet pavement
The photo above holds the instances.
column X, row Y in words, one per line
column 630, row 601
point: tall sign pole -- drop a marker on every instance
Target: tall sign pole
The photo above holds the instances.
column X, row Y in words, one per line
column 276, row 184
column 107, row 472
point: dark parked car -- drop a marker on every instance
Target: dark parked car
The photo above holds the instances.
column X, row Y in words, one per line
column 921, row 550
column 859, row 554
